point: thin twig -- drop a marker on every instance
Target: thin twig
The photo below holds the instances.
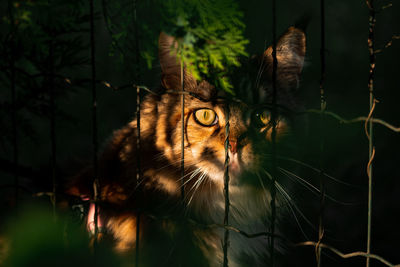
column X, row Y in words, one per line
column 348, row 255
column 357, row 119
column 386, row 6
column 367, row 121
column 370, row 161
column 237, row 230
column 388, row 44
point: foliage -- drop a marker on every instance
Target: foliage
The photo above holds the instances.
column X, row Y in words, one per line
column 210, row 36
column 209, row 33
column 43, row 43
column 37, row 239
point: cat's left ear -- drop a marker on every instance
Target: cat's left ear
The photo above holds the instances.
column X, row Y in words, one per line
column 290, row 52
column 171, row 70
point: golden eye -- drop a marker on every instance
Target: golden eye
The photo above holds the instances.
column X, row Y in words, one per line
column 265, row 117
column 205, row 117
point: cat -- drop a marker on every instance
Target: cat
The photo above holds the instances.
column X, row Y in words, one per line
column 188, row 232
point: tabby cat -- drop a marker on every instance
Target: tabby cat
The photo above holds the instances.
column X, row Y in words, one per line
column 176, row 232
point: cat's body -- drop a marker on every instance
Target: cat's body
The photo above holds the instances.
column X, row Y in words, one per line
column 183, row 230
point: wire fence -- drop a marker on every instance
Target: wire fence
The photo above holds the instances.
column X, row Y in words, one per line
column 318, row 245
column 321, row 229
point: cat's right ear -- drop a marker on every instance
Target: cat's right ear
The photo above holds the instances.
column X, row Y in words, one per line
column 290, row 53
column 171, row 66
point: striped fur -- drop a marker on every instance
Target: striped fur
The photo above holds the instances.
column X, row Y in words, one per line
column 185, row 233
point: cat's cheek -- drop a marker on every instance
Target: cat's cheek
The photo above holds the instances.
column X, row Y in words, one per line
column 247, row 158
column 195, row 152
column 214, row 172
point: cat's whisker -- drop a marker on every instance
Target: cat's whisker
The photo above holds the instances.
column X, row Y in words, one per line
column 259, row 73
column 187, row 164
column 191, row 172
column 193, row 186
column 192, row 176
column 291, row 205
column 310, row 186
column 196, row 186
column 263, row 187
column 317, row 170
column 187, row 174
column 302, row 181
column 180, row 179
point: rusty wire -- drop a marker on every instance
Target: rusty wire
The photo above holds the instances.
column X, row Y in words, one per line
column 183, row 131
column 96, row 182
column 349, row 255
column 273, row 136
column 358, row 119
column 52, row 126
column 226, row 187
column 371, row 49
column 138, row 141
column 321, row 229
column 13, row 101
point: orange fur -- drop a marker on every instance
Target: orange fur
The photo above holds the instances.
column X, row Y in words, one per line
column 165, row 219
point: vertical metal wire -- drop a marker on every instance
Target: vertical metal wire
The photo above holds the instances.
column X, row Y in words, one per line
column 183, row 131
column 322, row 140
column 13, row 101
column 273, row 136
column 226, row 187
column 96, row 183
column 52, row 124
column 138, row 172
column 138, row 141
column 371, row 48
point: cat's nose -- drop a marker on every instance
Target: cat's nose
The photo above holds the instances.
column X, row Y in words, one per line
column 233, row 146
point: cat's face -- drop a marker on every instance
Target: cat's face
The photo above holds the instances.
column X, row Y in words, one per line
column 250, row 125
column 249, row 135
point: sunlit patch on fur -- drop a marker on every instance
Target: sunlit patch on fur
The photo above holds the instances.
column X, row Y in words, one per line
column 159, row 188
column 113, row 193
column 124, row 231
column 281, row 129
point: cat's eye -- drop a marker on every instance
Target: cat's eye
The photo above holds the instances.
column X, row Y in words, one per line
column 206, row 117
column 263, row 118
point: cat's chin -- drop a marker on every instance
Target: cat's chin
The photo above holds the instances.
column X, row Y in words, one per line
column 219, row 177
column 234, row 166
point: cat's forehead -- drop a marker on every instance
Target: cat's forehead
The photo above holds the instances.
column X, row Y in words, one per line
column 219, row 105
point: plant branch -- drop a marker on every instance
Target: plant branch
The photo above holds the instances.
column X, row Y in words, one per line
column 348, row 255
column 388, row 44
column 357, row 119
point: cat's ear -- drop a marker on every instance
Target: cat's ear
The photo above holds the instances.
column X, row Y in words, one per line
column 170, row 65
column 290, row 52
column 171, row 70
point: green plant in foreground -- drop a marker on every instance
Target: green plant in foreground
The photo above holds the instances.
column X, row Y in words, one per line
column 210, row 37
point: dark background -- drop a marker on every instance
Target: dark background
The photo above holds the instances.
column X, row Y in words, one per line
column 345, row 153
